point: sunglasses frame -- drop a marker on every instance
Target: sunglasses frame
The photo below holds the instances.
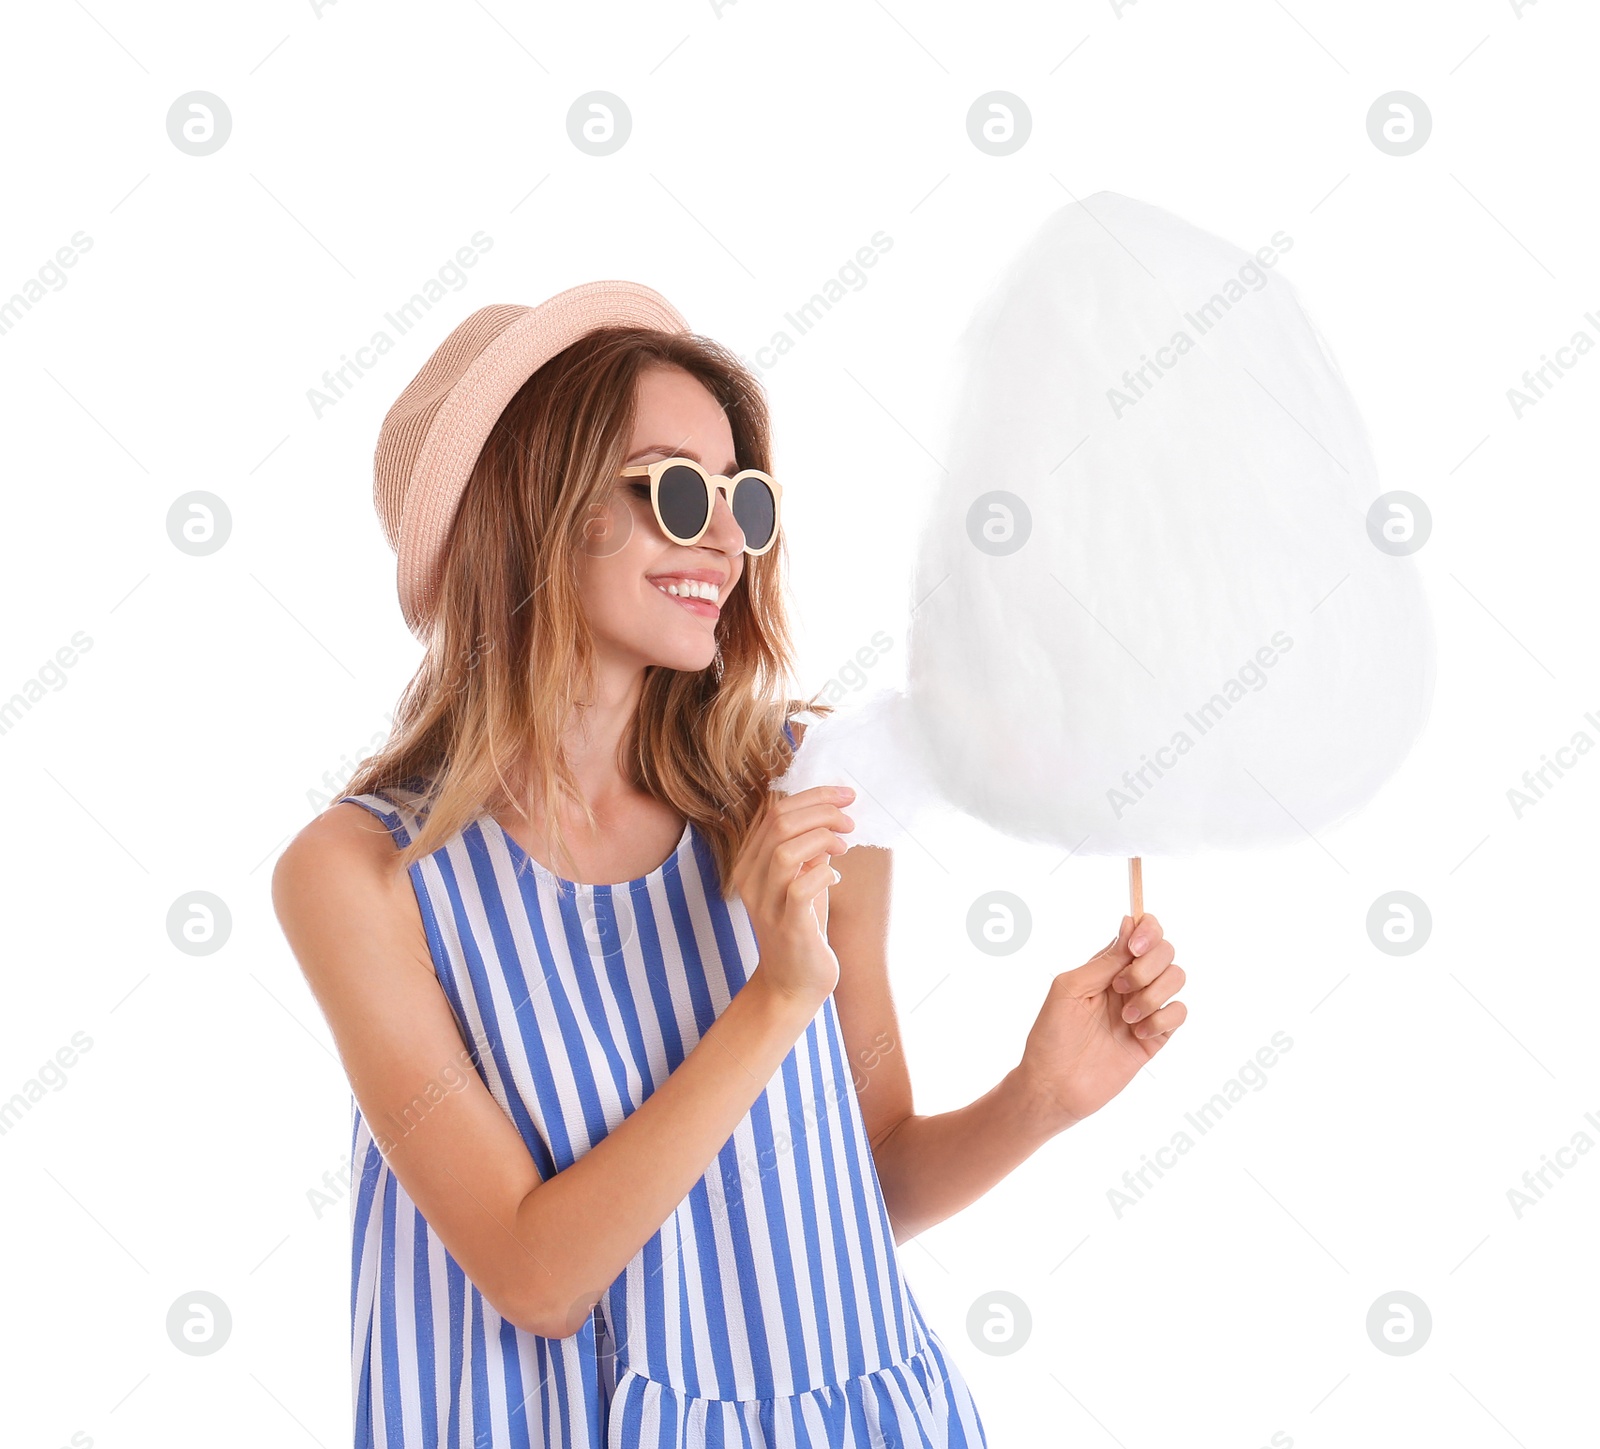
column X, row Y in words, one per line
column 713, row 482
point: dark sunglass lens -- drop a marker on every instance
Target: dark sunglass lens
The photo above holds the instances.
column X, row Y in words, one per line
column 756, row 511
column 682, row 497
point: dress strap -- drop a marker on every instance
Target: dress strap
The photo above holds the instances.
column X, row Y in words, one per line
column 803, row 716
column 402, row 810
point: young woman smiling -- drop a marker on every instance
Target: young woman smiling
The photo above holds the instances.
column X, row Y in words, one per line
column 662, row 1207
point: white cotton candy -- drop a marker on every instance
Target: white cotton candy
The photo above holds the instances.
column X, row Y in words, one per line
column 876, row 746
column 1199, row 645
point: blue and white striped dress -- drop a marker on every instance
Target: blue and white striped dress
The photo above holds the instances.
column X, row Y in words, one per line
column 768, row 1310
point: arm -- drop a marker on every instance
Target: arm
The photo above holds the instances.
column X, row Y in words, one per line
column 1080, row 1053
column 929, row 1167
column 541, row 1252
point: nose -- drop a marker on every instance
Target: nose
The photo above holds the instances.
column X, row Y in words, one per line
column 724, row 532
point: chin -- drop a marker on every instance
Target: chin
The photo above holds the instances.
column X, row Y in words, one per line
column 687, row 656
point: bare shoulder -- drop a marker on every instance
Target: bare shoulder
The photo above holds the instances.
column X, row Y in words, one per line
column 344, row 835
column 344, row 859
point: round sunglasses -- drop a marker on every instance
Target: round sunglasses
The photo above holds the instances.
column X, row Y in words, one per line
column 683, row 495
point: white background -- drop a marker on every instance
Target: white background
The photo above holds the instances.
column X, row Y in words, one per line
column 192, row 739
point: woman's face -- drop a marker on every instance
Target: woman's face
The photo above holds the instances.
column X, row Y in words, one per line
column 627, row 564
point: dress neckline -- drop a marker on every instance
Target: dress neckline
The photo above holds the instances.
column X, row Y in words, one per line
column 522, row 860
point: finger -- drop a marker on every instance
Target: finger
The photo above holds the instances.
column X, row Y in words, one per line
column 1150, row 1045
column 1144, row 1003
column 789, row 855
column 1097, row 971
column 1168, row 1019
column 1147, row 933
column 809, row 882
column 786, row 824
column 808, row 891
column 1119, row 942
column 816, row 795
column 1142, row 970
column 778, row 827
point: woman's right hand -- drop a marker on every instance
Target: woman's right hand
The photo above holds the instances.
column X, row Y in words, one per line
column 782, row 876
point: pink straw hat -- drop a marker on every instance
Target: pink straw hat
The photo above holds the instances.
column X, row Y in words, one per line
column 431, row 437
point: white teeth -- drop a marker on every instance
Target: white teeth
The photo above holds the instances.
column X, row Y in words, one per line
column 690, row 589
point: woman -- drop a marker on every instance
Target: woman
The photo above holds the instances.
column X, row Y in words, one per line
column 633, row 1144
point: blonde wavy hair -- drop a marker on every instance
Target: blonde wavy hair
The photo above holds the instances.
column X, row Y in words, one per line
column 510, row 652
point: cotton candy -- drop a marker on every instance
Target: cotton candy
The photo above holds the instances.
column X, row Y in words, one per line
column 1192, row 640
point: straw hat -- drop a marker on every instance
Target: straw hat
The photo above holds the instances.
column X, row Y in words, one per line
column 431, row 437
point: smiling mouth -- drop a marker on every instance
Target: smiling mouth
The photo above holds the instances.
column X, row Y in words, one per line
column 689, row 594
column 703, row 607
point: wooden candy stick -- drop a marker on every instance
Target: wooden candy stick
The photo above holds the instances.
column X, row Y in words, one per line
column 1135, row 888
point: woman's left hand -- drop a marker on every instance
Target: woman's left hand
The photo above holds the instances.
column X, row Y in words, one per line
column 1084, row 1049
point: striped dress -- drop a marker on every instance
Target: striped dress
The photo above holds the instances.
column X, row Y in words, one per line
column 768, row 1310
